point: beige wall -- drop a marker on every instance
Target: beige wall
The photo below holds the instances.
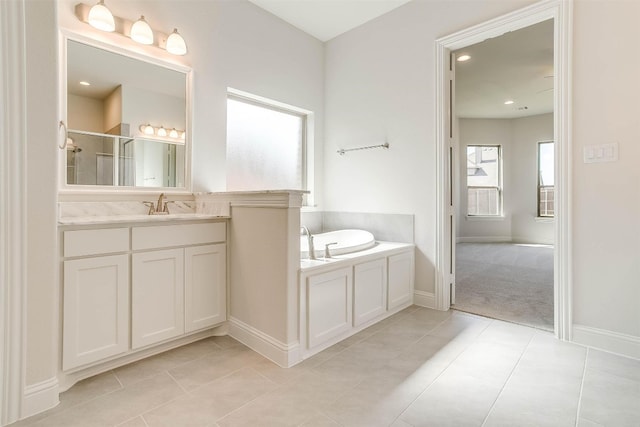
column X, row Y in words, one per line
column 41, row 189
column 85, row 114
column 380, row 84
column 606, row 196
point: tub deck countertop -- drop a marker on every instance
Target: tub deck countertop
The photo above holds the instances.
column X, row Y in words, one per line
column 386, row 248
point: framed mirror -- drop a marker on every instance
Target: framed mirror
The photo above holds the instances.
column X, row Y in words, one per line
column 127, row 118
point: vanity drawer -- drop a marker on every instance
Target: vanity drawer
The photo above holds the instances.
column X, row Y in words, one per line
column 163, row 236
column 94, row 242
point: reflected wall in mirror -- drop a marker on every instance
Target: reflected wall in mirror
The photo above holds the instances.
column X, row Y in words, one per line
column 110, row 99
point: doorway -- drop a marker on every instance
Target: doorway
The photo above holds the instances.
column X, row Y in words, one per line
column 503, row 176
column 560, row 13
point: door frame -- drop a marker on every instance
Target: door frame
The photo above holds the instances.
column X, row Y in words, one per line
column 12, row 223
column 561, row 12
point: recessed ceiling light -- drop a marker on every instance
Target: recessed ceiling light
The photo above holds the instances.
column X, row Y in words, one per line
column 83, row 83
column 509, row 102
column 463, row 58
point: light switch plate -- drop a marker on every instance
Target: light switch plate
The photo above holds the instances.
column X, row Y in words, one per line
column 601, row 153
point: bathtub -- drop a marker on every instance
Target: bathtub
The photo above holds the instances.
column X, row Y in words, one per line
column 347, row 241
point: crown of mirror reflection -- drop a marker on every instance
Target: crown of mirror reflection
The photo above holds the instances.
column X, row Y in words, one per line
column 100, row 17
column 162, row 132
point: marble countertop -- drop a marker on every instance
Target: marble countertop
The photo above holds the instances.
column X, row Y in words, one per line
column 116, row 219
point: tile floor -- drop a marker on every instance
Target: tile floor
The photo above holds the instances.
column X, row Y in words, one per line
column 419, row 367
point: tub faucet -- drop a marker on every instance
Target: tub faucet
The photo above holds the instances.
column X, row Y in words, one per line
column 312, row 251
column 327, row 252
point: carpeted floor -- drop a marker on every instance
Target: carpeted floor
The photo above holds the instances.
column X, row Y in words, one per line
column 506, row 281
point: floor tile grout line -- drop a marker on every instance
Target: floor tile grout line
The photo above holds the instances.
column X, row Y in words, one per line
column 435, row 379
column 484, row 421
column 178, row 383
column 584, row 372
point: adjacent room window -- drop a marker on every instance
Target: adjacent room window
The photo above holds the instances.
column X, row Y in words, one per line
column 484, row 180
column 546, row 179
column 266, row 146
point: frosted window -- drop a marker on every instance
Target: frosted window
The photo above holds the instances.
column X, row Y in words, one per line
column 265, row 147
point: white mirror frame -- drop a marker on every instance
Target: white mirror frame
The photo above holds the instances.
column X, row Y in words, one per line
column 63, row 187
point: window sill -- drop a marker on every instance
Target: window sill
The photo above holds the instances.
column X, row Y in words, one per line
column 485, row 217
column 545, row 219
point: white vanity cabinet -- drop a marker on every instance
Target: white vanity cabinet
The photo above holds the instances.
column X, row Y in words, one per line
column 205, row 286
column 129, row 288
column 157, row 296
column 95, row 296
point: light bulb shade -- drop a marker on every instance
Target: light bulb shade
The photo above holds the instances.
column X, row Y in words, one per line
column 182, row 135
column 162, row 132
column 176, row 44
column 141, row 32
column 148, row 130
column 173, row 133
column 100, row 17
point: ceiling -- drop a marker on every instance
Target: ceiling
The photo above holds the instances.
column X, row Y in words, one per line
column 515, row 66
column 326, row 19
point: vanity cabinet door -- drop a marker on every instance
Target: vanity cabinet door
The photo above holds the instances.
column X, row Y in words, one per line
column 369, row 291
column 96, row 309
column 157, row 296
column 205, row 286
column 329, row 305
column 400, row 279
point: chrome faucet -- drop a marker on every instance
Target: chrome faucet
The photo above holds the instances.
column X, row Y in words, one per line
column 312, row 251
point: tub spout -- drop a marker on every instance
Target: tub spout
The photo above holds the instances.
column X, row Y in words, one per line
column 312, row 252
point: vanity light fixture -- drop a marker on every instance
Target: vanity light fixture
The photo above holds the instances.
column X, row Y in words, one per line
column 141, row 31
column 147, row 129
column 463, row 58
column 100, row 17
column 173, row 133
column 161, row 132
column 176, row 44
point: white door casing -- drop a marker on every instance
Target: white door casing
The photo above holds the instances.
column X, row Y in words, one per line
column 561, row 12
column 13, row 201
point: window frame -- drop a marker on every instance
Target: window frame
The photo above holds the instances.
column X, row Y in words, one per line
column 500, row 186
column 539, row 185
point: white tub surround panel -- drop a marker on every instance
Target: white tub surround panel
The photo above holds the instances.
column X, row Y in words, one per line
column 131, row 290
column 342, row 295
column 264, row 259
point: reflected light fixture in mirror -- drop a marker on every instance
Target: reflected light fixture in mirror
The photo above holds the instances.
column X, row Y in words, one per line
column 100, row 17
column 176, row 44
column 141, row 32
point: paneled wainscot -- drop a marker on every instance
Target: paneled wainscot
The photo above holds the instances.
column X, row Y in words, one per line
column 343, row 295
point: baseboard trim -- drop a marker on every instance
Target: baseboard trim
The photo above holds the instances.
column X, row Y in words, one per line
column 39, row 397
column 284, row 355
column 484, row 239
column 614, row 342
column 424, row 299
